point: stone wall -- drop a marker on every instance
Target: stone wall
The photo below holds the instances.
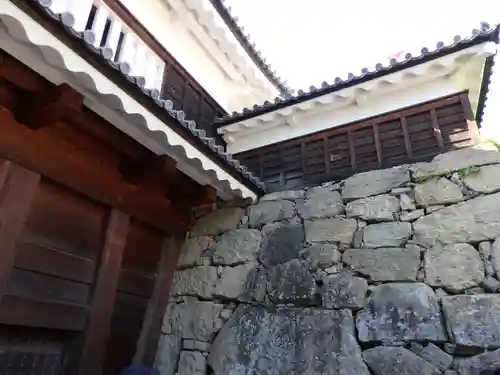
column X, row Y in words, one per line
column 393, row 271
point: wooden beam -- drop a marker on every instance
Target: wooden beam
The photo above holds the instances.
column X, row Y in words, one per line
column 7, row 96
column 149, row 168
column 17, row 189
column 151, row 326
column 49, row 106
column 469, row 117
column 378, row 145
column 20, row 75
column 97, row 332
column 406, row 135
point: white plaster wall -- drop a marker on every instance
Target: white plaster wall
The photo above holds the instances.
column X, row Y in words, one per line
column 177, row 31
column 317, row 120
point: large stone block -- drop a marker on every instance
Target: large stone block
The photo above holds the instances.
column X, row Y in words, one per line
column 486, row 181
column 472, row 221
column 192, row 319
column 236, row 247
column 281, row 243
column 192, row 363
column 374, row 182
column 473, row 320
column 384, row 264
column 344, row 291
column 437, row 191
column 475, row 365
column 287, row 194
column 394, row 234
column 401, row 312
column 331, row 230
column 321, row 205
column 198, row 281
column 287, row 341
column 454, row 267
column 291, row 282
column 321, row 256
column 218, row 222
column 397, row 361
column 233, row 280
column 167, row 355
column 192, row 250
column 379, row 208
column 270, row 211
column 495, row 257
column 459, row 159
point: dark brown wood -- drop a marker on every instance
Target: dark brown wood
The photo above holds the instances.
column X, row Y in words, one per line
column 378, row 146
column 17, row 188
column 352, row 154
column 435, row 126
column 49, row 106
column 96, row 335
column 151, row 326
column 406, row 134
column 395, row 138
column 469, row 117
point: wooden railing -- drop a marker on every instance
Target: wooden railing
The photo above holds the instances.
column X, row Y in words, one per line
column 128, row 42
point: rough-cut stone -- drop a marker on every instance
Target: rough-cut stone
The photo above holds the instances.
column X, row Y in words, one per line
column 436, row 357
column 454, row 267
column 437, row 191
column 192, row 250
column 401, row 312
column 256, row 286
column 393, row 234
column 321, row 205
column 406, row 203
column 379, row 208
column 193, row 319
column 411, row 215
column 384, row 264
column 486, row 181
column 291, row 282
column 198, row 281
column 485, row 249
column 431, row 209
column 374, row 182
column 343, row 291
column 191, row 363
column 473, row 320
column 495, row 257
column 287, row 341
column 233, row 280
column 491, row 284
column 474, row 365
column 331, row 230
column 167, row 355
column 327, row 189
column 218, row 222
column 287, row 194
column 456, row 160
column 321, row 256
column 385, row 360
column 270, row 211
column 237, row 246
column 472, row 221
column 281, row 243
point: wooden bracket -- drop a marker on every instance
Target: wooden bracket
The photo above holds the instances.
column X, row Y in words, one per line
column 159, row 168
column 49, row 106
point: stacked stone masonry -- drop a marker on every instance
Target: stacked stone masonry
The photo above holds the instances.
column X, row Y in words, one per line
column 389, row 272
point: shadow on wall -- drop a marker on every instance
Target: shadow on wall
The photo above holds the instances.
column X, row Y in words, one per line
column 387, row 272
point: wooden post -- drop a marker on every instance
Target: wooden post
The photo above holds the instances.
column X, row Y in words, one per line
column 406, row 134
column 97, row 332
column 378, row 145
column 469, row 117
column 151, row 325
column 17, row 189
column 436, row 129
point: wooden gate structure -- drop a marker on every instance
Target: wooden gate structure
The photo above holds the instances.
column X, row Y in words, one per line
column 91, row 224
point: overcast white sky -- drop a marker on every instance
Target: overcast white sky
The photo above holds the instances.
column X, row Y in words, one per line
column 309, row 41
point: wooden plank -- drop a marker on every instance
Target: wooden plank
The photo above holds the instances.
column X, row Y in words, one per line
column 406, row 135
column 17, row 189
column 326, row 156
column 151, row 327
column 352, row 153
column 97, row 332
column 44, row 314
column 436, row 129
column 378, row 146
column 469, row 117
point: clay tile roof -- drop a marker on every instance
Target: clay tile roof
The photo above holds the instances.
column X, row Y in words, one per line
column 244, row 39
column 105, row 55
column 477, row 36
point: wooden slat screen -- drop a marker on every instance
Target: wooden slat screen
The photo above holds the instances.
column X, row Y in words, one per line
column 413, row 134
